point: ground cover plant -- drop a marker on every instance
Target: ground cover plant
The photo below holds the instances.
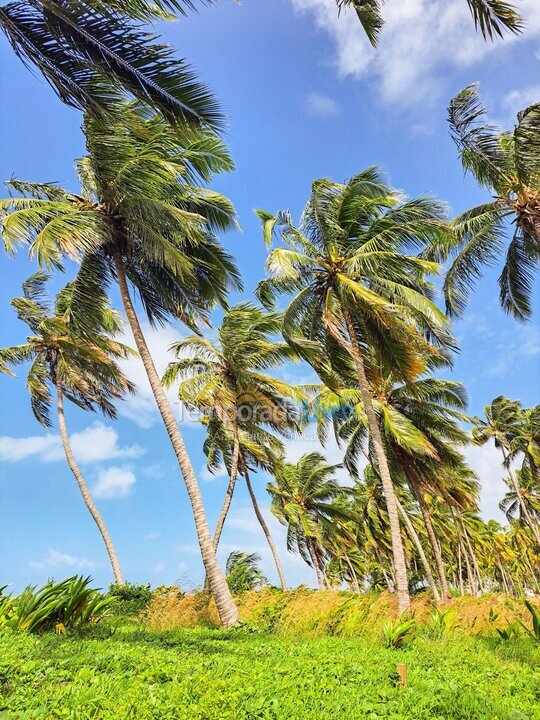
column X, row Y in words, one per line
column 126, row 670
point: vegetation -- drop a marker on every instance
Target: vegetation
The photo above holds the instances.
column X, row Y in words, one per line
column 506, row 163
column 407, row 568
column 56, row 606
column 84, row 370
column 116, row 670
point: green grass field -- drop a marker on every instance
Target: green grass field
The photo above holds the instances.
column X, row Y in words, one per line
column 211, row 674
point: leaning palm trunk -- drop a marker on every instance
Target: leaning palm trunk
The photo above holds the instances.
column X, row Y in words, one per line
column 354, row 578
column 426, row 516
column 423, row 559
column 404, row 601
column 522, row 504
column 265, row 529
column 315, row 562
column 84, row 490
column 228, row 612
column 230, row 490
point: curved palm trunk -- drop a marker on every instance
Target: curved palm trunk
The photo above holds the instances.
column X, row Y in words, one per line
column 473, row 558
column 228, row 612
column 426, row 516
column 230, row 490
column 522, row 504
column 404, row 600
column 84, row 490
column 460, row 572
column 423, row 559
column 265, row 529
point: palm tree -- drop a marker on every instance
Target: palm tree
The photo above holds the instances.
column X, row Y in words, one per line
column 140, row 221
column 492, row 17
column 91, row 52
column 507, row 165
column 355, row 290
column 243, row 572
column 529, row 496
column 83, row 370
column 226, row 382
column 504, row 424
column 306, row 499
column 420, row 427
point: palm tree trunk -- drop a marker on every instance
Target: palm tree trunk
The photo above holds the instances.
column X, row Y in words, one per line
column 416, row 540
column 389, row 584
column 473, row 559
column 354, row 578
column 503, row 578
column 265, row 529
column 230, row 489
column 228, row 612
column 315, row 561
column 92, row 509
column 426, row 516
column 460, row 571
column 522, row 504
column 404, row 600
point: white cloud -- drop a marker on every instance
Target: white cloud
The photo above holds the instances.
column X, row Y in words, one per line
column 321, row 105
column 152, row 536
column 114, row 483
column 141, row 407
column 422, row 40
column 486, row 461
column 56, row 559
column 46, row 447
column 517, row 100
column 96, row 443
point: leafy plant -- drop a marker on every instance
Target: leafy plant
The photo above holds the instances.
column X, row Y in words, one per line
column 533, row 631
column 510, row 632
column 395, row 631
column 440, row 622
column 243, row 572
column 55, row 606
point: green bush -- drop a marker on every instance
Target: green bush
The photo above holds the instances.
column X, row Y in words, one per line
column 131, row 599
column 55, row 606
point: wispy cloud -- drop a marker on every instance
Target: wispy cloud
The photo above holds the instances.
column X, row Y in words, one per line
column 56, row 560
column 96, row 443
column 321, row 105
column 421, row 42
column 114, row 483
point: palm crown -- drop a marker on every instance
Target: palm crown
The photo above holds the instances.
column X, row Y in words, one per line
column 93, row 51
column 85, row 370
column 348, row 253
column 508, row 165
column 137, row 202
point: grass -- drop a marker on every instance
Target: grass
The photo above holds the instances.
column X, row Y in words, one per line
column 119, row 669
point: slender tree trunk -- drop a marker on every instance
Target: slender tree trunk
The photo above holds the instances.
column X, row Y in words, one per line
column 389, row 584
column 426, row 516
column 92, row 509
column 503, row 578
column 354, row 578
column 230, row 490
column 315, row 561
column 460, row 571
column 473, row 559
column 265, row 529
column 522, row 504
column 404, row 601
column 228, row 612
column 423, row 559
column 470, row 577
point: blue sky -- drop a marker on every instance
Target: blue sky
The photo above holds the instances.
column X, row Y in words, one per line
column 306, row 97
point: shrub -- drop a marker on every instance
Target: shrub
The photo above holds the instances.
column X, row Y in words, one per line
column 396, row 631
column 131, row 598
column 55, row 606
column 243, row 572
